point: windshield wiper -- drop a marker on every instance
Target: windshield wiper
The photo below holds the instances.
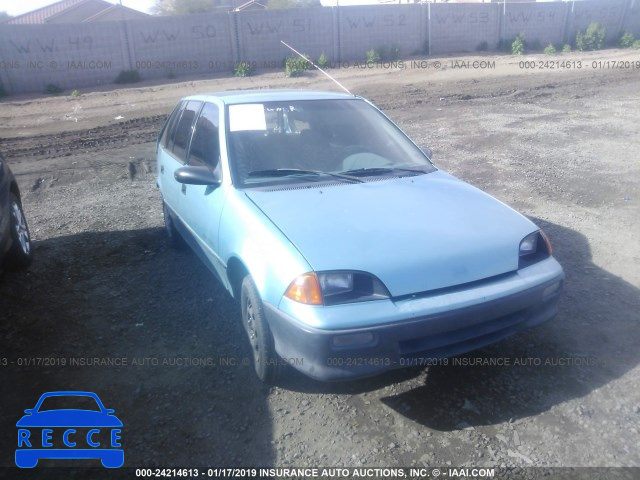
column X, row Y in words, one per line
column 381, row 170
column 283, row 172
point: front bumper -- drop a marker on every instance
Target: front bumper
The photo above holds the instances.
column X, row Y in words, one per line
column 403, row 343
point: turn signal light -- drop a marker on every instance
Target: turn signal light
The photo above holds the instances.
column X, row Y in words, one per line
column 546, row 241
column 305, row 289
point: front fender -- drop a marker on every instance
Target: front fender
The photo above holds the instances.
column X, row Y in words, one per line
column 249, row 235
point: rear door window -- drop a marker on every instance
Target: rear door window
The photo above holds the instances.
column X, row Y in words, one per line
column 183, row 130
column 170, row 125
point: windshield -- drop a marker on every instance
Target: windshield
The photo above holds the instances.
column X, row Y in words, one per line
column 317, row 140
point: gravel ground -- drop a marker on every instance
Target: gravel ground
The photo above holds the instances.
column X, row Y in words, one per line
column 560, row 146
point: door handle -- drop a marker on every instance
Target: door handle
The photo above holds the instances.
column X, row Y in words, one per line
column 184, row 189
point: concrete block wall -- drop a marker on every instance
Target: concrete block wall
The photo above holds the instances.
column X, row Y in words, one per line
column 181, row 45
column 609, row 13
column 309, row 30
column 33, row 56
column 362, row 28
column 80, row 55
column 632, row 19
column 463, row 27
column 541, row 23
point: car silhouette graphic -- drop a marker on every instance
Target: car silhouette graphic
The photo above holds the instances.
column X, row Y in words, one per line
column 85, row 432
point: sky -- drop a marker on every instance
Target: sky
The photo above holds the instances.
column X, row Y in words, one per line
column 13, row 7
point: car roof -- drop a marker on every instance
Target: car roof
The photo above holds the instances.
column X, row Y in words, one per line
column 256, row 96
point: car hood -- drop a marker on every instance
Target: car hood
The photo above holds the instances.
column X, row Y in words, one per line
column 416, row 233
column 69, row 418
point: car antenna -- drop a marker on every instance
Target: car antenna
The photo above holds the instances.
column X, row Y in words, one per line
column 325, row 73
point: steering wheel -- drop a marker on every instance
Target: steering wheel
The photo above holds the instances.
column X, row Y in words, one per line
column 354, row 149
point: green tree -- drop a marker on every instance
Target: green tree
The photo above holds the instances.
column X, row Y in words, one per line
column 182, row 7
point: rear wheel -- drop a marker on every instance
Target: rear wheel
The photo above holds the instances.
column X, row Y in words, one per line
column 175, row 239
column 266, row 362
column 21, row 253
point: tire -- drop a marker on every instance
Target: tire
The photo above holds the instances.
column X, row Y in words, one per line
column 20, row 254
column 175, row 239
column 266, row 362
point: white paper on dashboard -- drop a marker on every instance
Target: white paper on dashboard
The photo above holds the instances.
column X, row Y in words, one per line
column 247, row 117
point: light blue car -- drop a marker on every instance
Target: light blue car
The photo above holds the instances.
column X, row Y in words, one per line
column 350, row 253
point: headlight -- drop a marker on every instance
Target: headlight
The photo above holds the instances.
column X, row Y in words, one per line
column 529, row 244
column 335, row 283
column 333, row 288
column 533, row 248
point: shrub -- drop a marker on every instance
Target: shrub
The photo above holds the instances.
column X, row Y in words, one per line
column 243, row 69
column 517, row 47
column 592, row 38
column 636, row 45
column 626, row 41
column 128, row 76
column 323, row 61
column 566, row 48
column 550, row 49
column 373, row 56
column 482, row 46
column 76, row 93
column 296, row 66
column 52, row 89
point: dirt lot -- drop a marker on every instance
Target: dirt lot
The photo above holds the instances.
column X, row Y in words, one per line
column 562, row 146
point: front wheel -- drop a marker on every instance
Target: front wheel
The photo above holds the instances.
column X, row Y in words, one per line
column 266, row 362
column 21, row 253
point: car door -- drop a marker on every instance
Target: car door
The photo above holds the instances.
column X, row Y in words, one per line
column 172, row 154
column 203, row 204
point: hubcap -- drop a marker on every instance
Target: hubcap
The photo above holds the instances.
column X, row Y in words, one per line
column 22, row 233
column 250, row 325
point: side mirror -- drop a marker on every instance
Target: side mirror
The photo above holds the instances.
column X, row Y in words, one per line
column 29, row 411
column 109, row 411
column 196, row 176
column 427, row 151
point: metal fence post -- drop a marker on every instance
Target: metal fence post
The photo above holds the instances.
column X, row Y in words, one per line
column 429, row 26
column 234, row 33
column 627, row 8
column 337, row 43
